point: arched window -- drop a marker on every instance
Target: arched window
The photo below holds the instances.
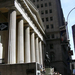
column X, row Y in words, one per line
column 52, row 56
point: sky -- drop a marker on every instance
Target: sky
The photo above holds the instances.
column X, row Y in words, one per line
column 67, row 6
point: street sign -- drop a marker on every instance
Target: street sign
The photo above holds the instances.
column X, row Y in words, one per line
column 3, row 26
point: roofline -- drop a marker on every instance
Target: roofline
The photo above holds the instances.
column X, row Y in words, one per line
column 36, row 12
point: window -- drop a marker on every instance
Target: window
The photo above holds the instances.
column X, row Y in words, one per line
column 52, row 56
column 42, row 12
column 52, row 26
column 46, row 11
column 51, row 18
column 51, row 46
column 49, row 3
column 50, row 10
column 46, row 18
column 47, row 26
column 37, row 6
column 45, row 4
column 43, row 19
column 52, row 36
column 41, row 5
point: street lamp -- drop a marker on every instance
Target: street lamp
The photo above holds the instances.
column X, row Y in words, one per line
column 67, row 22
column 69, row 14
column 67, row 25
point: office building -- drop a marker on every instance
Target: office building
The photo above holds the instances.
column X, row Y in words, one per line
column 73, row 33
column 57, row 44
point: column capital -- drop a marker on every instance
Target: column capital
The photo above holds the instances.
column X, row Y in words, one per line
column 36, row 36
column 19, row 17
column 32, row 31
column 40, row 40
column 12, row 9
column 26, row 25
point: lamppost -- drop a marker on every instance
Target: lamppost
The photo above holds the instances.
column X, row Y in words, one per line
column 71, row 52
column 69, row 14
column 67, row 22
column 67, row 19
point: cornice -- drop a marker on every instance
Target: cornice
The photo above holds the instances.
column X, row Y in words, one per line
column 26, row 5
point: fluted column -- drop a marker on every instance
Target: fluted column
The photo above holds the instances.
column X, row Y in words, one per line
column 20, row 42
column 12, row 37
column 37, row 49
column 40, row 50
column 32, row 46
column 43, row 52
column 27, row 44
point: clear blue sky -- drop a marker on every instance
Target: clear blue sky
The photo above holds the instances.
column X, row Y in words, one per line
column 67, row 6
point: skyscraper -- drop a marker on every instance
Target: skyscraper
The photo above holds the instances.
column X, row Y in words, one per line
column 57, row 45
column 73, row 32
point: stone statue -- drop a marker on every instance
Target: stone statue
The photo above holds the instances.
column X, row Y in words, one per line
column 47, row 60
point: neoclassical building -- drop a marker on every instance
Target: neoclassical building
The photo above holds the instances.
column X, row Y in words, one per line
column 22, row 32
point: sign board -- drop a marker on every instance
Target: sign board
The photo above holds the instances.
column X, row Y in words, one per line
column 3, row 26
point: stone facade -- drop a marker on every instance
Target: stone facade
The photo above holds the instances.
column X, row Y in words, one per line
column 24, row 38
column 52, row 17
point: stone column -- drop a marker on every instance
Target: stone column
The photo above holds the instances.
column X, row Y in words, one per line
column 27, row 44
column 43, row 52
column 32, row 46
column 40, row 50
column 20, row 42
column 12, row 37
column 37, row 49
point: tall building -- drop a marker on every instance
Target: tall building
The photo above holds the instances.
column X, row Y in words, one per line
column 57, row 44
column 73, row 32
